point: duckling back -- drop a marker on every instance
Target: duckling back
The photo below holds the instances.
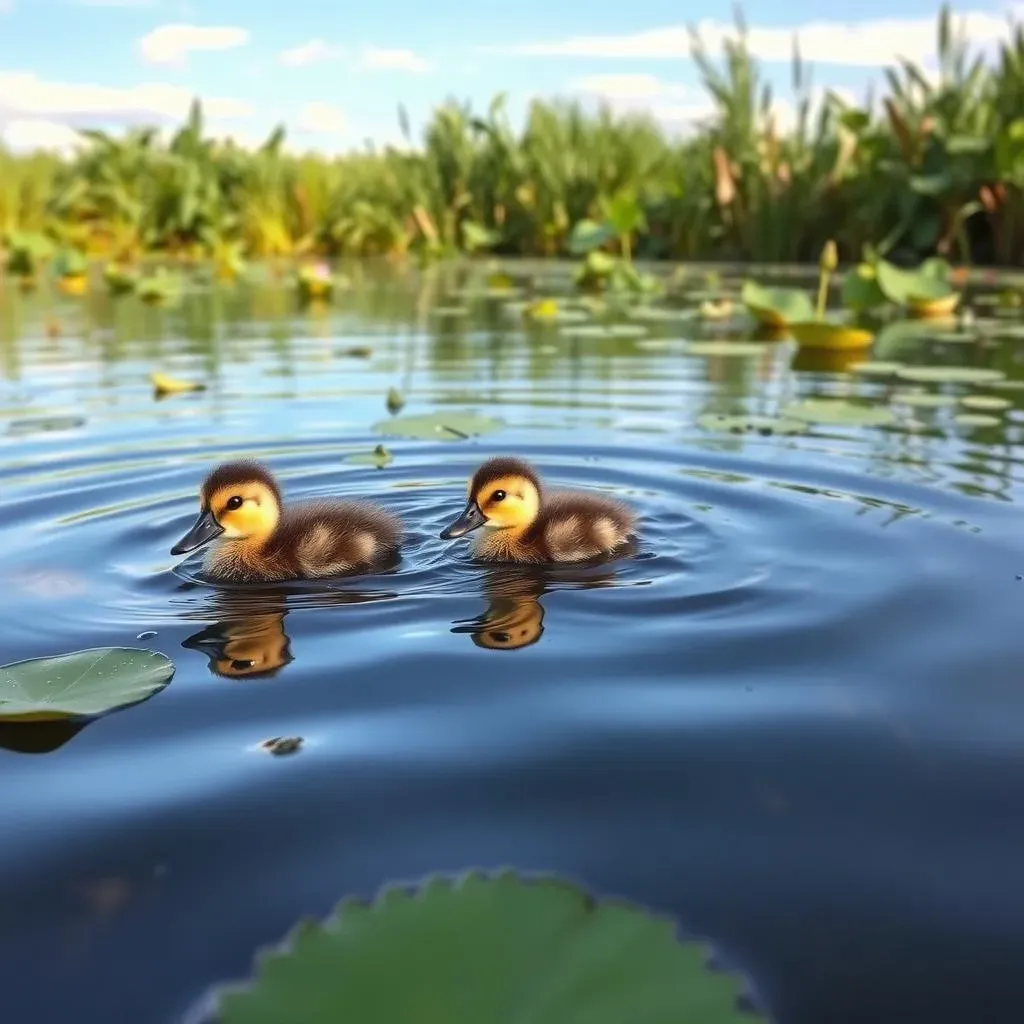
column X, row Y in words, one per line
column 574, row 526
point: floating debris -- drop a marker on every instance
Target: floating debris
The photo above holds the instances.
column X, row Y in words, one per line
column 280, row 746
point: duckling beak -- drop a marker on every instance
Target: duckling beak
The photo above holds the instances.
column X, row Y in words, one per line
column 471, row 519
column 204, row 529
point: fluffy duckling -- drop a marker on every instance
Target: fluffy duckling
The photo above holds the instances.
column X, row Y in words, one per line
column 524, row 523
column 256, row 540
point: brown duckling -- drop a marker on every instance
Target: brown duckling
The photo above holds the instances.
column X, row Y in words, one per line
column 257, row 540
column 524, row 523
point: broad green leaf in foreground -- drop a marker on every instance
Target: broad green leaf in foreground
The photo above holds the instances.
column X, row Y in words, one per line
column 493, row 949
column 87, row 682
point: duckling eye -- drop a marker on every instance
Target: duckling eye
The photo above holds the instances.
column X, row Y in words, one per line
column 233, row 503
column 498, row 496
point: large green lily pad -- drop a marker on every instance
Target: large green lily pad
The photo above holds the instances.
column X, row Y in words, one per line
column 927, row 283
column 878, row 368
column 861, row 291
column 840, row 412
column 84, row 683
column 776, row 307
column 724, row 347
column 976, row 419
column 985, row 403
column 923, row 399
column 485, row 950
column 950, row 374
column 433, row 425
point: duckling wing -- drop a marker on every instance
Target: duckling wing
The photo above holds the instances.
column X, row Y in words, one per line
column 577, row 526
column 331, row 538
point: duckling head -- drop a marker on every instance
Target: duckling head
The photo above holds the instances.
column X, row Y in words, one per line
column 504, row 494
column 237, row 501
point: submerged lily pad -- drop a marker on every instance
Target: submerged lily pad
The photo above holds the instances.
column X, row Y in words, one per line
column 724, row 347
column 923, row 399
column 985, row 403
column 776, row 307
column 484, row 949
column 379, row 457
column 752, row 424
column 950, row 374
column 876, row 369
column 976, row 419
column 43, row 424
column 840, row 412
column 84, row 683
column 433, row 425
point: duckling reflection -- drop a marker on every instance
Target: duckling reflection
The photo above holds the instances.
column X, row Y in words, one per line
column 253, row 647
column 515, row 616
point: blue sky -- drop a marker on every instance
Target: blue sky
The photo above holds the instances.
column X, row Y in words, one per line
column 334, row 74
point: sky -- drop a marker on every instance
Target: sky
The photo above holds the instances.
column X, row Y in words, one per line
column 334, row 74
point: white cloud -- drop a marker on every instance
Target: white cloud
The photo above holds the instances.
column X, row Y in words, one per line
column 28, row 135
column 313, row 52
column 322, row 119
column 26, row 99
column 867, row 43
column 626, row 87
column 382, row 59
column 6, row 6
column 171, row 44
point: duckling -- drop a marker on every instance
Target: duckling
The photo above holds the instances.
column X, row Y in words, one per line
column 524, row 523
column 259, row 541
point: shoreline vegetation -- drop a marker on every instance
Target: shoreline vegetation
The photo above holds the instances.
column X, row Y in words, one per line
column 933, row 167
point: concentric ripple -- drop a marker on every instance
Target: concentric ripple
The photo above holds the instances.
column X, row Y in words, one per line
column 799, row 687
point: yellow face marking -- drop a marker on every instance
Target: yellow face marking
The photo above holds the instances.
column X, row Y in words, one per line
column 509, row 502
column 246, row 510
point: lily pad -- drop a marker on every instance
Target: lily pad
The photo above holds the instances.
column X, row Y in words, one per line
column 923, row 399
column 751, row 424
column 861, row 291
column 953, row 337
column 876, row 369
column 1008, row 332
column 449, row 311
column 588, row 235
column 950, row 374
column 776, row 307
column 434, row 425
column 929, row 309
column 43, row 424
column 976, row 419
column 824, row 334
column 840, row 412
column 724, row 347
column 985, row 403
column 484, row 949
column 925, row 288
column 81, row 684
column 661, row 314
column 379, row 457
column 585, row 331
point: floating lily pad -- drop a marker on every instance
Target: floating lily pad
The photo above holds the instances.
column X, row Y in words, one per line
column 953, row 337
column 43, row 424
column 751, row 424
column 925, row 291
column 627, row 331
column 585, row 331
column 484, row 950
column 1008, row 332
column 1006, row 385
column 950, row 374
column 379, row 457
column 985, row 403
column 434, row 425
column 840, row 412
column 923, row 399
column 824, row 334
column 776, row 307
column 449, row 311
column 724, row 348
column 660, row 314
column 976, row 419
column 876, row 369
column 84, row 683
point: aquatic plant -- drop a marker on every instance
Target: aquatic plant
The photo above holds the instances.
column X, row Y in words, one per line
column 467, row 950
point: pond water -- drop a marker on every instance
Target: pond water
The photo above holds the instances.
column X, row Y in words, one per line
column 794, row 718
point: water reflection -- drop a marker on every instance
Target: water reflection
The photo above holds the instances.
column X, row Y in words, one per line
column 514, row 617
column 39, row 737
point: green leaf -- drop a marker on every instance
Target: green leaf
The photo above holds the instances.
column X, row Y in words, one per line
column 776, row 307
column 726, row 347
column 485, row 950
column 906, row 286
column 89, row 682
column 861, row 291
column 439, row 426
column 967, row 145
column 985, row 403
column 950, row 374
column 588, row 235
